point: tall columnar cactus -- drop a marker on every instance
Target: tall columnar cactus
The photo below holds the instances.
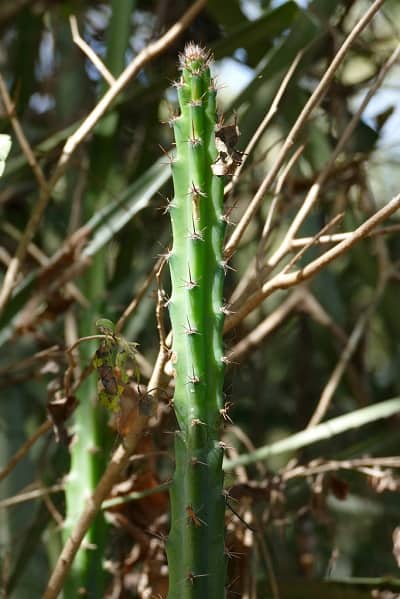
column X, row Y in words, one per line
column 195, row 546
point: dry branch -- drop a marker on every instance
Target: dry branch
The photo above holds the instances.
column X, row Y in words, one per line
column 312, row 103
column 286, row 280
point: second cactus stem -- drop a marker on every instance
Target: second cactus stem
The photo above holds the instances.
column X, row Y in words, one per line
column 195, row 546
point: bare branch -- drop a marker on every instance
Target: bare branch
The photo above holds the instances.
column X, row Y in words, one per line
column 150, row 52
column 265, row 122
column 23, row 450
column 251, row 341
column 315, row 189
column 23, row 142
column 312, row 103
column 286, row 280
column 86, row 49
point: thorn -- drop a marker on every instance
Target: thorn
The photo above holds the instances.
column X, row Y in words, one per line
column 225, row 218
column 226, row 496
column 197, row 421
column 232, row 554
column 189, row 330
column 177, row 84
column 194, row 141
column 166, row 255
column 195, row 235
column 197, row 103
column 174, row 116
column 239, row 517
column 226, row 266
column 196, row 196
column 167, row 204
column 190, row 283
column 225, row 310
column 194, row 379
column 195, row 461
column 224, row 445
column 191, row 577
column 193, row 518
column 230, row 585
column 224, row 411
column 194, row 191
column 226, row 360
column 212, row 87
column 166, row 153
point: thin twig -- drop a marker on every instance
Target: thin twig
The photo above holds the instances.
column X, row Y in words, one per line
column 119, row 461
column 323, row 239
column 312, row 242
column 147, row 54
column 315, row 189
column 254, row 269
column 23, row 142
column 43, row 260
column 86, row 49
column 334, row 379
column 311, row 104
column 281, row 180
column 334, row 465
column 29, row 495
column 286, row 280
column 253, row 340
column 23, row 450
column 138, row 298
column 264, row 123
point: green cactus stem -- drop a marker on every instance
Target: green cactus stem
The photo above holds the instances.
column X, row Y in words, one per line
column 195, row 547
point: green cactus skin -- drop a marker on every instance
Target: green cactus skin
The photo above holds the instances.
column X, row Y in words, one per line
column 195, row 547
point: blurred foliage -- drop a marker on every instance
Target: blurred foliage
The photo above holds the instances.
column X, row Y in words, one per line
column 334, row 525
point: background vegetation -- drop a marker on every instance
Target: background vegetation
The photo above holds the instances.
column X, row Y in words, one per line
column 82, row 230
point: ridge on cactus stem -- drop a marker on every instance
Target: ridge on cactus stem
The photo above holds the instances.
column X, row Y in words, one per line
column 195, row 547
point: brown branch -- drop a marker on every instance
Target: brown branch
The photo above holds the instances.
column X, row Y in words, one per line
column 147, row 54
column 251, row 341
column 333, row 465
column 29, row 495
column 311, row 104
column 118, row 462
column 286, row 280
column 315, row 189
column 138, row 298
column 23, row 450
column 86, row 49
column 324, row 239
column 264, row 123
column 23, row 142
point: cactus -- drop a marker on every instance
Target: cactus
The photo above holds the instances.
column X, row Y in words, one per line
column 195, row 548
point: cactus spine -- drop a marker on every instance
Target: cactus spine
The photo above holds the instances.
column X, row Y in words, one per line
column 195, row 546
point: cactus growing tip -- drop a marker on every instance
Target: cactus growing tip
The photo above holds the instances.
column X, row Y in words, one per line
column 194, row 57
